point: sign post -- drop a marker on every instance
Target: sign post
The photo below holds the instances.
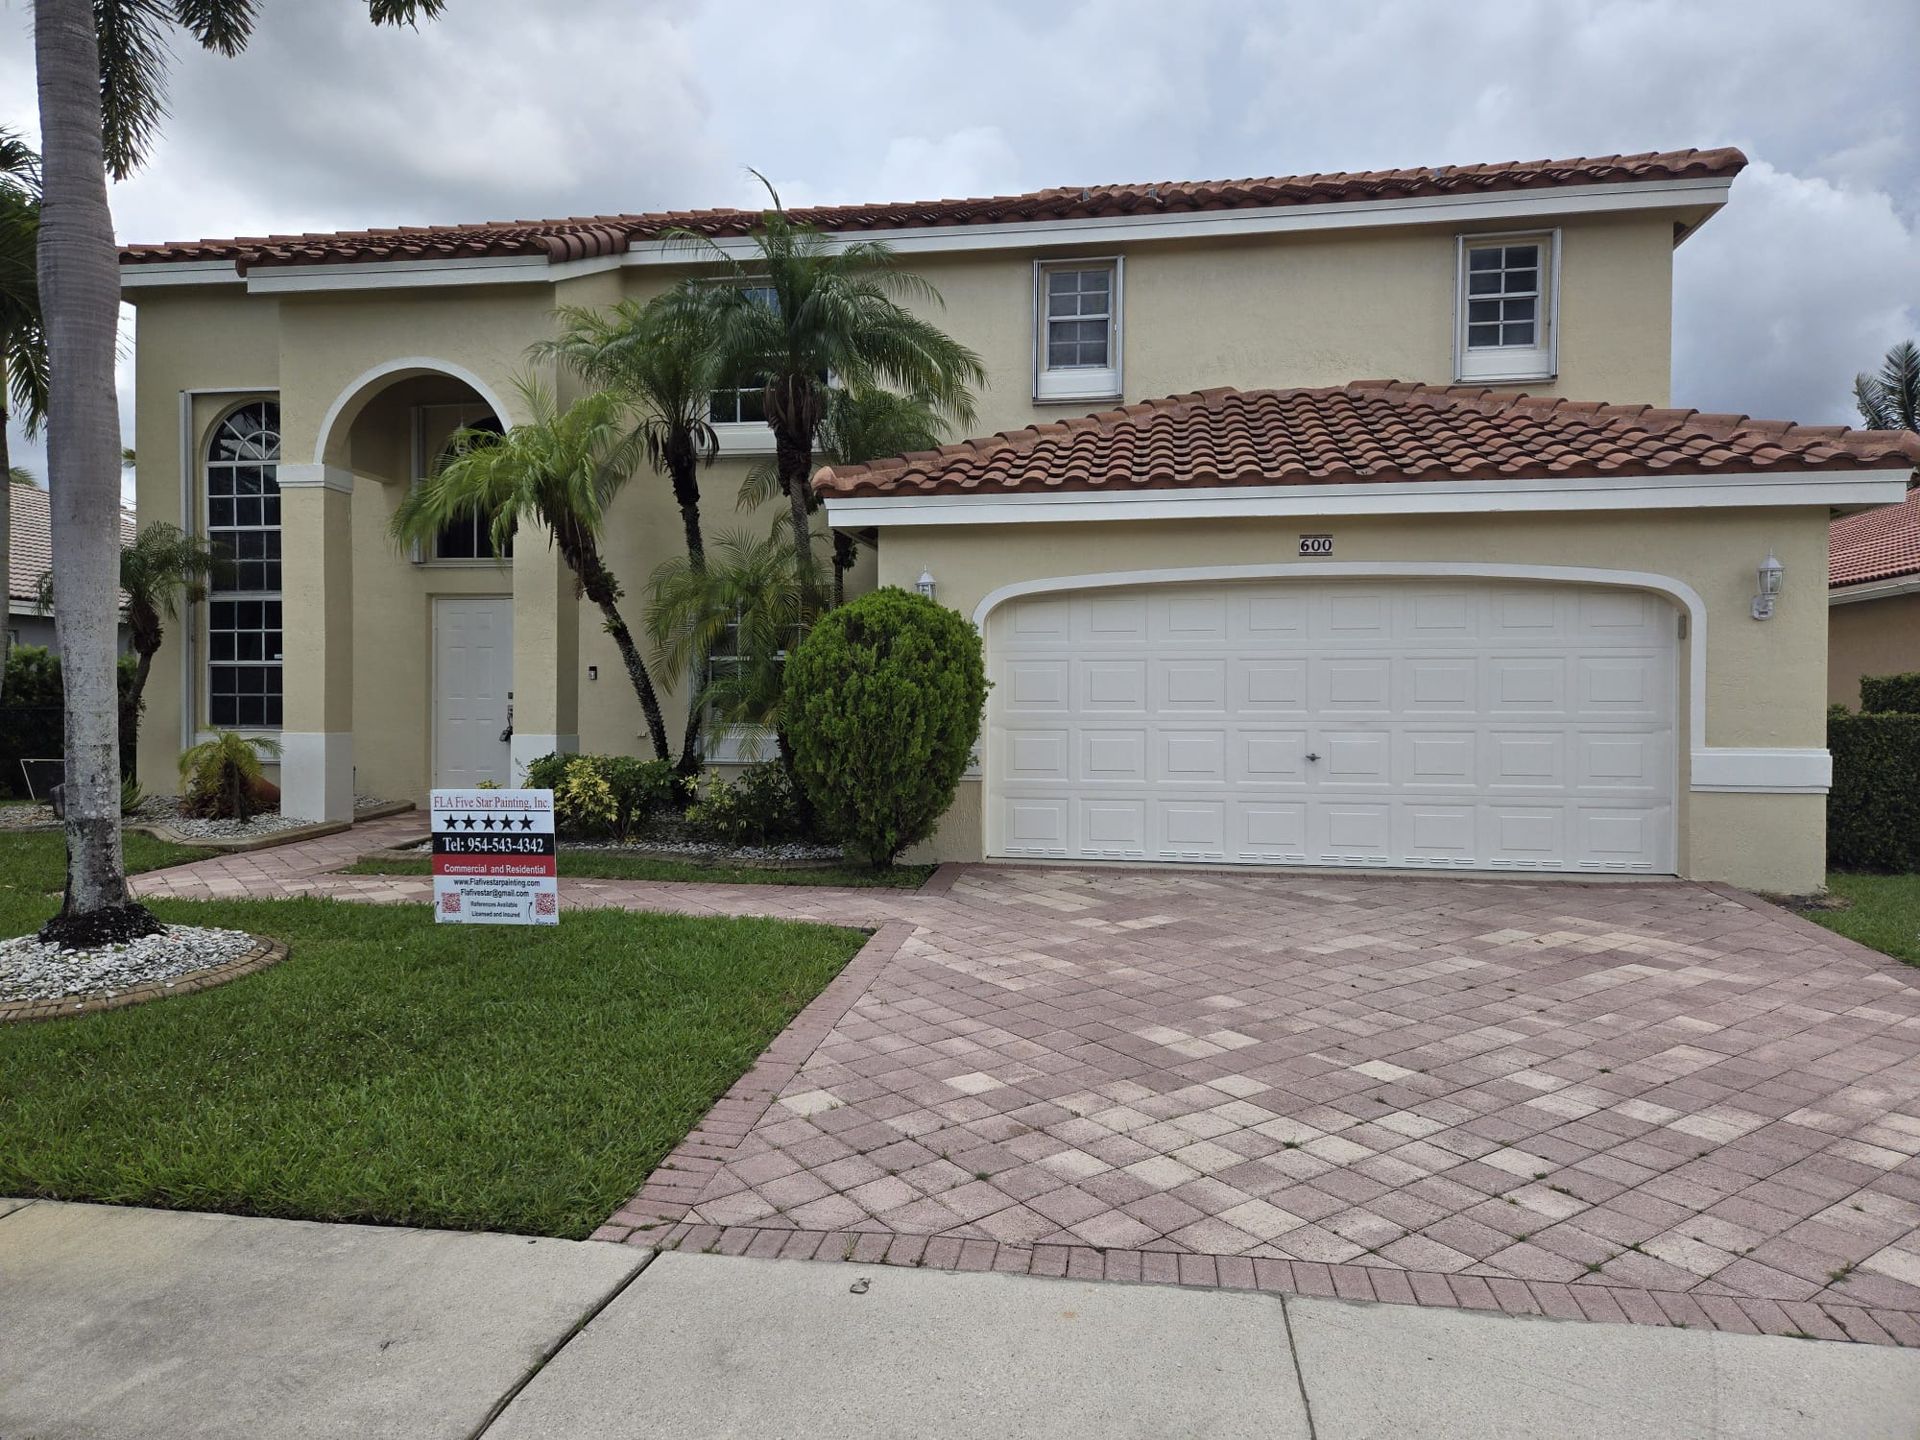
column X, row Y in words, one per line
column 493, row 858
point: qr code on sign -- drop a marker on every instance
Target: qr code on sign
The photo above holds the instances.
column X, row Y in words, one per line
column 450, row 903
column 546, row 904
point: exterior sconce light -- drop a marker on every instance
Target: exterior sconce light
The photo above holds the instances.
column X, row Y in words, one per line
column 925, row 584
column 1771, row 572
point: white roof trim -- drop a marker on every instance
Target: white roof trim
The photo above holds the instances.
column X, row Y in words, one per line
column 1503, row 206
column 1874, row 589
column 1400, row 497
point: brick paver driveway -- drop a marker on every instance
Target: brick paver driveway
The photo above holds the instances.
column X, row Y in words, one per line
column 1656, row 1102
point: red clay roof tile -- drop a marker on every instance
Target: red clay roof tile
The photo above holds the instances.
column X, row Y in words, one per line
column 1876, row 544
column 1370, row 430
column 583, row 237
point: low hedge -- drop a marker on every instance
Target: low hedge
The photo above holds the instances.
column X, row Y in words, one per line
column 1873, row 810
column 32, row 721
column 1890, row 694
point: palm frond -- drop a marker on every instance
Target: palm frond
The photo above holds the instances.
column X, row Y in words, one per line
column 223, row 26
column 405, row 12
column 1890, row 400
column 19, row 162
column 134, row 61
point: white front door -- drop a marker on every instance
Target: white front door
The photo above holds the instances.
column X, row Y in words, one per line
column 1402, row 723
column 472, row 688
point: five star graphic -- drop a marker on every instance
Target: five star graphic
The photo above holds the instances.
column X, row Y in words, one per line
column 488, row 822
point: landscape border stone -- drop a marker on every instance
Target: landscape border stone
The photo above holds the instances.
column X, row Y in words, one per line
column 266, row 952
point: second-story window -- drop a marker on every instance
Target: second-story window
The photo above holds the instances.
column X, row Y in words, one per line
column 1506, row 324
column 745, row 404
column 1077, row 330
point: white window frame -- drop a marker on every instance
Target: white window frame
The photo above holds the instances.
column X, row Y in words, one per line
column 1078, row 383
column 1539, row 361
column 215, row 596
column 423, row 553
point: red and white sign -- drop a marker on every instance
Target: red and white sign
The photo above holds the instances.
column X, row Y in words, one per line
column 493, row 858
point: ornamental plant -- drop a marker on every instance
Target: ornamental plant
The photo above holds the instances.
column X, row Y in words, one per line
column 882, row 705
column 222, row 778
column 583, row 802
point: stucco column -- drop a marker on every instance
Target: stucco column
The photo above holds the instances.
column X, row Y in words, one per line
column 316, row 570
column 546, row 654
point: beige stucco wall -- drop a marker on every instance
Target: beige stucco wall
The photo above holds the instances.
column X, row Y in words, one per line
column 1763, row 680
column 1280, row 310
column 1870, row 637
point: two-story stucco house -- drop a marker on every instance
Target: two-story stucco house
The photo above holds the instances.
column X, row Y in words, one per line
column 1291, row 616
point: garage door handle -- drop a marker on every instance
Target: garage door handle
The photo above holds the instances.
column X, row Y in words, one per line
column 1312, row 756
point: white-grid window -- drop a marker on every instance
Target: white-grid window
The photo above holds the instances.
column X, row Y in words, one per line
column 1077, row 330
column 1506, row 308
column 243, row 609
column 745, row 404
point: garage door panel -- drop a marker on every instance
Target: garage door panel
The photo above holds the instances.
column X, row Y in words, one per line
column 1468, row 725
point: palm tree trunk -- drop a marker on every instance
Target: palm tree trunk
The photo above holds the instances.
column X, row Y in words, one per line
column 683, row 469
column 583, row 558
column 136, row 698
column 794, row 457
column 80, row 300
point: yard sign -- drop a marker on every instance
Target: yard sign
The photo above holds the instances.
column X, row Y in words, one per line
column 493, row 858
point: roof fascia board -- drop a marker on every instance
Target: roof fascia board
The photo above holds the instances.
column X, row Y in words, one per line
column 1418, row 497
column 1498, row 205
column 1884, row 589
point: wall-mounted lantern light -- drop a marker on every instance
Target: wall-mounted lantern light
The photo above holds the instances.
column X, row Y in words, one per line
column 1771, row 573
column 925, row 584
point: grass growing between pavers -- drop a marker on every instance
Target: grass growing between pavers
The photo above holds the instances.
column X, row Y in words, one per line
column 604, row 865
column 400, row 1072
column 1885, row 913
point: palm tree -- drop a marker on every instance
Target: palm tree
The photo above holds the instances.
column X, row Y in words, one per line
column 100, row 70
column 562, row 470
column 659, row 357
column 803, row 307
column 855, row 426
column 745, row 608
column 161, row 568
column 23, row 346
column 1891, row 399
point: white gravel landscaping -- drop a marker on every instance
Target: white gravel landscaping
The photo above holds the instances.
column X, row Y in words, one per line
column 32, row 970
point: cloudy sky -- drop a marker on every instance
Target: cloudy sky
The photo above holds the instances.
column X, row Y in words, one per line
column 504, row 109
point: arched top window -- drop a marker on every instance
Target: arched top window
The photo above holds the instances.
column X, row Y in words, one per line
column 243, row 610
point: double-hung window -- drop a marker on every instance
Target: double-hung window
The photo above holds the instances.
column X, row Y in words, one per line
column 738, row 413
column 1507, row 325
column 243, row 606
column 1077, row 330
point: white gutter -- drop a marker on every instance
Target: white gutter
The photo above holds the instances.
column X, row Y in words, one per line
column 1834, row 489
column 1875, row 589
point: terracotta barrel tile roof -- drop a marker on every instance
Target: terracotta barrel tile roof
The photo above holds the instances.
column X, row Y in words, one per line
column 582, row 237
column 1876, row 544
column 1370, row 430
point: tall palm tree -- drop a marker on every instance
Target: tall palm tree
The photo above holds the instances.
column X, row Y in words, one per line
column 1891, row 399
column 100, row 70
column 802, row 307
column 855, row 426
column 161, row 568
column 561, row 469
column 658, row 356
column 23, row 344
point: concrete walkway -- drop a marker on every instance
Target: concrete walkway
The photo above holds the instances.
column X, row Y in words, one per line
column 152, row 1324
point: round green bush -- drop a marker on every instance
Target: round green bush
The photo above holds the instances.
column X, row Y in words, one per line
column 882, row 703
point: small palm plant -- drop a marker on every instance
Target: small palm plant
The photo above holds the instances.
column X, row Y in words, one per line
column 163, row 567
column 562, row 470
column 1891, row 399
column 802, row 307
column 222, row 778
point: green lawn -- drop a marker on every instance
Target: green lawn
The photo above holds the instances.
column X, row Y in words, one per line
column 1885, row 913
column 33, row 871
column 607, row 865
column 397, row 1071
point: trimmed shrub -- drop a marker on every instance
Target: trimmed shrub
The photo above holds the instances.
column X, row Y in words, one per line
column 1873, row 810
column 642, row 789
column 1890, row 694
column 882, row 705
column 32, row 725
column 759, row 807
column 583, row 802
column 546, row 772
column 604, row 794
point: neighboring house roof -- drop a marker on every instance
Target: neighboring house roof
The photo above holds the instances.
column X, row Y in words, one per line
column 1369, row 430
column 584, row 237
column 1876, row 544
column 30, row 546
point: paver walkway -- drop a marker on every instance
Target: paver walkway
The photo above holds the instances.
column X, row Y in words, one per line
column 1665, row 1103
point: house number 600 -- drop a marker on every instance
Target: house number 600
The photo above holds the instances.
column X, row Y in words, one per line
column 1316, row 545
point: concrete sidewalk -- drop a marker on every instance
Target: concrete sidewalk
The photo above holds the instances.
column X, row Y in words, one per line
column 120, row 1322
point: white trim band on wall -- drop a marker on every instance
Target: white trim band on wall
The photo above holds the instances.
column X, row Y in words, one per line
column 315, row 477
column 1762, row 772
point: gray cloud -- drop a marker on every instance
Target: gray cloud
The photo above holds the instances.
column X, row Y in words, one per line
column 505, row 109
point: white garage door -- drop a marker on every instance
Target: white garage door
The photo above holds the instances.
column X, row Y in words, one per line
column 1472, row 725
